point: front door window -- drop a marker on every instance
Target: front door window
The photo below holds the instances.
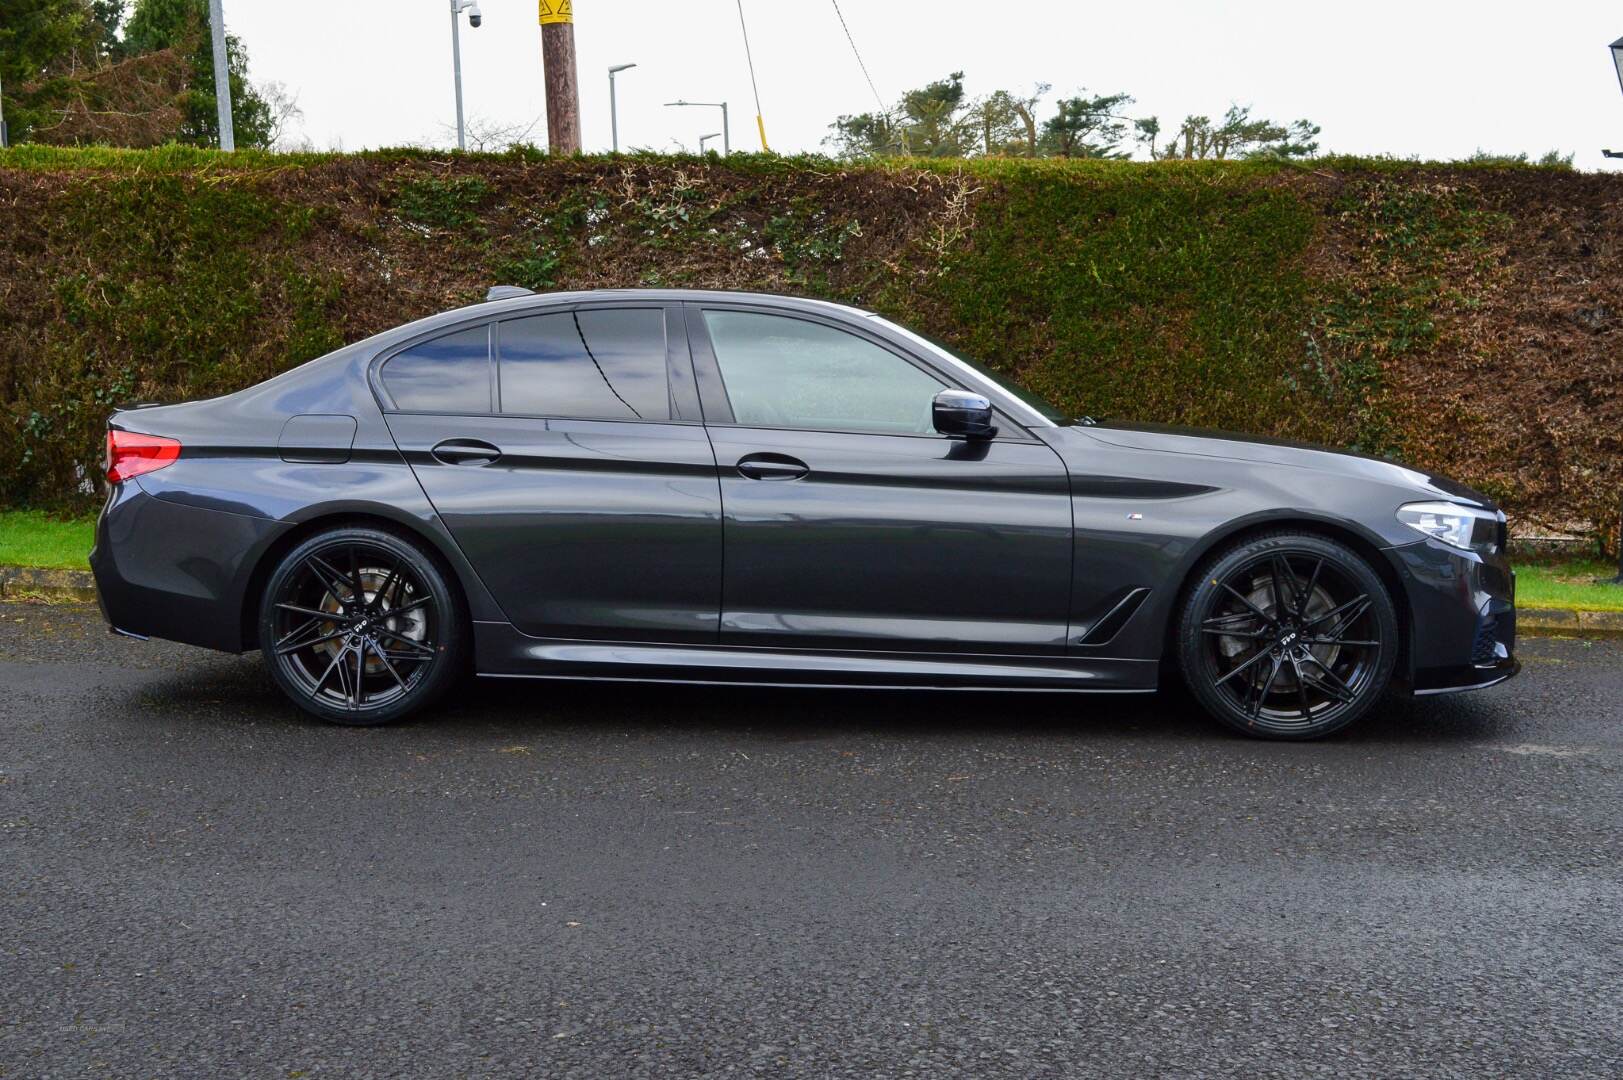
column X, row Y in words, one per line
column 792, row 373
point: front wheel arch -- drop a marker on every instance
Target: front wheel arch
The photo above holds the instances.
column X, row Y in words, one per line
column 1240, row 532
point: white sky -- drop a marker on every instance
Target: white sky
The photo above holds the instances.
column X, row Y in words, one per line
column 1437, row 78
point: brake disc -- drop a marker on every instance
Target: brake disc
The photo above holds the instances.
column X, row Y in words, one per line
column 412, row 624
column 1261, row 596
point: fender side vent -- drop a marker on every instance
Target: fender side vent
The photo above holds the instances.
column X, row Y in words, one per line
column 1110, row 625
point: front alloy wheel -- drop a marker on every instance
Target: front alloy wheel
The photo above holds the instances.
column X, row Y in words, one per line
column 1288, row 636
column 360, row 627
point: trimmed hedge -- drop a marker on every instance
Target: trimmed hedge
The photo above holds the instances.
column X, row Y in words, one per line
column 1459, row 317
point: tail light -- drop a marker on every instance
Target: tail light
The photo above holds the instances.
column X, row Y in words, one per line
column 130, row 453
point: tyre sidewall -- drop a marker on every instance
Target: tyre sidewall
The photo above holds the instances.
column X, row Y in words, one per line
column 446, row 668
column 1191, row 644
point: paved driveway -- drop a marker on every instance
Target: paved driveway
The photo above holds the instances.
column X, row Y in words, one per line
column 548, row 879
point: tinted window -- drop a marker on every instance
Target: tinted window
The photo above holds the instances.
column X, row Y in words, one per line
column 783, row 372
column 448, row 374
column 597, row 364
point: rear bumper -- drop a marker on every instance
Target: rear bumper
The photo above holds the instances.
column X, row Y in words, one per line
column 1462, row 617
column 176, row 572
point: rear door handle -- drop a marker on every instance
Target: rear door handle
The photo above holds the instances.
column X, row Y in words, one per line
column 465, row 452
column 771, row 467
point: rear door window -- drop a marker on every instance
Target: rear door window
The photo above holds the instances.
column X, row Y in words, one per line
column 449, row 374
column 592, row 364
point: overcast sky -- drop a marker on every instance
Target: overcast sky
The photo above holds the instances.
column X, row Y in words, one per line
column 1435, row 78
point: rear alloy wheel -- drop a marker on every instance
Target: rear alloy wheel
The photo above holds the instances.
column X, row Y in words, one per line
column 1289, row 636
column 360, row 627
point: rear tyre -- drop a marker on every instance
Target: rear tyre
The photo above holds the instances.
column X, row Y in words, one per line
column 359, row 626
column 1288, row 636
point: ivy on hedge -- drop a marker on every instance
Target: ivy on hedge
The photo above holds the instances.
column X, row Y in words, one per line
column 1252, row 296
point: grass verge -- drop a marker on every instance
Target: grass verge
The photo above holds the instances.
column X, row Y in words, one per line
column 34, row 538
column 1568, row 585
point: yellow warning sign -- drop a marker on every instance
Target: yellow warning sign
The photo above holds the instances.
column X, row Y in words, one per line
column 556, row 11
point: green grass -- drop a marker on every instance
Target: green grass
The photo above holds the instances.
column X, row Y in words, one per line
column 1569, row 585
column 33, row 538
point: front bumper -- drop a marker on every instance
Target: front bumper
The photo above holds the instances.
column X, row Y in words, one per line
column 1462, row 617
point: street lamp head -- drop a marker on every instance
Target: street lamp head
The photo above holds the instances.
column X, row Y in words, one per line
column 620, row 67
column 1617, row 59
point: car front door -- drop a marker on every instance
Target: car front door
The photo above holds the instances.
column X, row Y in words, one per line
column 563, row 450
column 848, row 522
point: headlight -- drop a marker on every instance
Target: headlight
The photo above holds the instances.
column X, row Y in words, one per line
column 1467, row 527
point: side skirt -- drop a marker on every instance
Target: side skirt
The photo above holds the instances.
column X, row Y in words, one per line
column 502, row 651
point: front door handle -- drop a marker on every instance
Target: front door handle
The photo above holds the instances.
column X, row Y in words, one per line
column 465, row 452
column 771, row 467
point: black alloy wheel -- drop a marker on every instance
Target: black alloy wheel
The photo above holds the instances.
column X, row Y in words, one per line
column 359, row 626
column 1288, row 636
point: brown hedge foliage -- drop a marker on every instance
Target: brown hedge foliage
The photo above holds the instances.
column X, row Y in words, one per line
column 1462, row 318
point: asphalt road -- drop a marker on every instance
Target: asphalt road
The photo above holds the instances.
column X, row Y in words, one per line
column 601, row 881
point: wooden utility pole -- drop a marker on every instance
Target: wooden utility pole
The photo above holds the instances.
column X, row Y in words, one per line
column 558, row 65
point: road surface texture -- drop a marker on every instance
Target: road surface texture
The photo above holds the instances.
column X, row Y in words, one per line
column 575, row 880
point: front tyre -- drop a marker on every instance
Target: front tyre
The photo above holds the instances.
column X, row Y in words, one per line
column 1288, row 636
column 360, row 626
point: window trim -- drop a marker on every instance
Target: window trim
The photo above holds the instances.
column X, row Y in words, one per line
column 713, row 386
column 572, row 309
column 679, row 366
column 386, row 399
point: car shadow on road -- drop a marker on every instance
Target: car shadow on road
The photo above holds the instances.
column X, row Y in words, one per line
column 223, row 690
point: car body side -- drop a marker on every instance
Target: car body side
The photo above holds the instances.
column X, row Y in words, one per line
column 183, row 553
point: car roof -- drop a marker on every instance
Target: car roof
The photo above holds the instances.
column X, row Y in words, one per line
column 666, row 296
column 517, row 304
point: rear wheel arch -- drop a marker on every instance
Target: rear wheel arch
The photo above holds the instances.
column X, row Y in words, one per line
column 271, row 557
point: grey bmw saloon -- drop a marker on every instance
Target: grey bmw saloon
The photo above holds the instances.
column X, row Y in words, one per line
column 741, row 488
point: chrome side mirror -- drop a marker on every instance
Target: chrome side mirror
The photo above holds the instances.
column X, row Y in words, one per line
column 964, row 414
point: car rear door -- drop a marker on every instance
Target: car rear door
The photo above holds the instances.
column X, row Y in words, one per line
column 563, row 448
column 849, row 523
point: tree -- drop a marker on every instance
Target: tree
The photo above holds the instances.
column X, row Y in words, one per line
column 866, row 135
column 76, row 71
column 1552, row 159
column 1238, row 135
column 105, row 18
column 41, row 41
column 932, row 121
column 183, row 24
column 935, row 121
column 1008, row 123
column 1087, row 127
column 1146, row 131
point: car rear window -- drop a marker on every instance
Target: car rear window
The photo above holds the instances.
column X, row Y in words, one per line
column 594, row 364
column 448, row 374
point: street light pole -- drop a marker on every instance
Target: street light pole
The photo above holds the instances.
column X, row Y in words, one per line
column 222, row 76
column 614, row 112
column 702, row 138
column 474, row 19
column 456, row 73
column 726, row 127
column 3, row 141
